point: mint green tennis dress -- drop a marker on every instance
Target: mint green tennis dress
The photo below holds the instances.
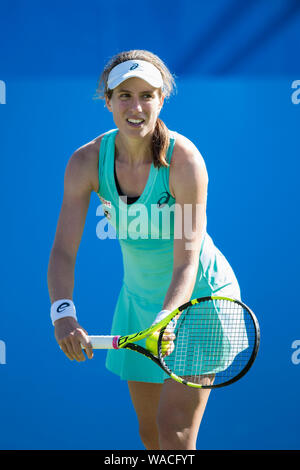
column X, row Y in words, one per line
column 145, row 230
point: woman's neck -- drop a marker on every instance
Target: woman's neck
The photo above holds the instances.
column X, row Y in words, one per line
column 133, row 152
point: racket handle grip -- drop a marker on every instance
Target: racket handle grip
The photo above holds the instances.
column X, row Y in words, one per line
column 104, row 342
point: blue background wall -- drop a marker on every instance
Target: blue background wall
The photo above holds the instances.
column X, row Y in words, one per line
column 235, row 63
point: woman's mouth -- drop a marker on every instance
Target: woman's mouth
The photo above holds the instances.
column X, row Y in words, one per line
column 135, row 122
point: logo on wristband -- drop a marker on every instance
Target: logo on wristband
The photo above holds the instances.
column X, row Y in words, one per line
column 62, row 307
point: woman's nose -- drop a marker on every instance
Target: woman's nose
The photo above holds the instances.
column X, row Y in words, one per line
column 136, row 105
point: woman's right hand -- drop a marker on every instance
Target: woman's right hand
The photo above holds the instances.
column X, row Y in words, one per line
column 70, row 336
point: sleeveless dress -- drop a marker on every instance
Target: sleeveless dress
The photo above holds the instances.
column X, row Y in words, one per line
column 145, row 230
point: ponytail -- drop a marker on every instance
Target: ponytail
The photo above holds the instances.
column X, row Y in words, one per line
column 160, row 144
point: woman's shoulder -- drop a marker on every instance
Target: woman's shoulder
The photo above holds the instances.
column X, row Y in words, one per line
column 185, row 151
column 187, row 164
column 85, row 160
column 89, row 149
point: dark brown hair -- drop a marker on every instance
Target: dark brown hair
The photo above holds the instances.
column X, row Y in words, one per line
column 161, row 140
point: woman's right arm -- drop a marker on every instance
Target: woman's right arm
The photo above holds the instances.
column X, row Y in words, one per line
column 79, row 182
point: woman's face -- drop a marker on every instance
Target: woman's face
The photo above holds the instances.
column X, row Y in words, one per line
column 135, row 106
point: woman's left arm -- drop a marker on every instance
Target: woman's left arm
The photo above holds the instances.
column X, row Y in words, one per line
column 188, row 184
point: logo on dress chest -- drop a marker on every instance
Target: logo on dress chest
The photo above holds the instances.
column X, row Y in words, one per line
column 105, row 202
column 164, row 199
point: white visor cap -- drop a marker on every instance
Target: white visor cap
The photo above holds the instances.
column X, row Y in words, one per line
column 135, row 68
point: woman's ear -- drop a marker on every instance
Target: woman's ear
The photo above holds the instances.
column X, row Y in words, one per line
column 107, row 103
column 162, row 99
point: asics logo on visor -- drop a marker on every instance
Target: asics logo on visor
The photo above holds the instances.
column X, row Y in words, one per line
column 134, row 66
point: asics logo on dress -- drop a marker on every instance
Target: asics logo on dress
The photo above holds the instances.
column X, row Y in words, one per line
column 164, row 199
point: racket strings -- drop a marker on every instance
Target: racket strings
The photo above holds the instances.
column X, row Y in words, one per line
column 214, row 341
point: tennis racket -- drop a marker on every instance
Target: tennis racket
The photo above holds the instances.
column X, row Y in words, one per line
column 216, row 342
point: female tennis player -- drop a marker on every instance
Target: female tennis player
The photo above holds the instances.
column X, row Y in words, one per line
column 141, row 165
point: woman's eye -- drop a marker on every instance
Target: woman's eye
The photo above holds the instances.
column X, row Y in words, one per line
column 125, row 96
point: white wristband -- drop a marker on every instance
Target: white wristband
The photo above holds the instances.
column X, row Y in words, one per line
column 62, row 308
column 161, row 315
